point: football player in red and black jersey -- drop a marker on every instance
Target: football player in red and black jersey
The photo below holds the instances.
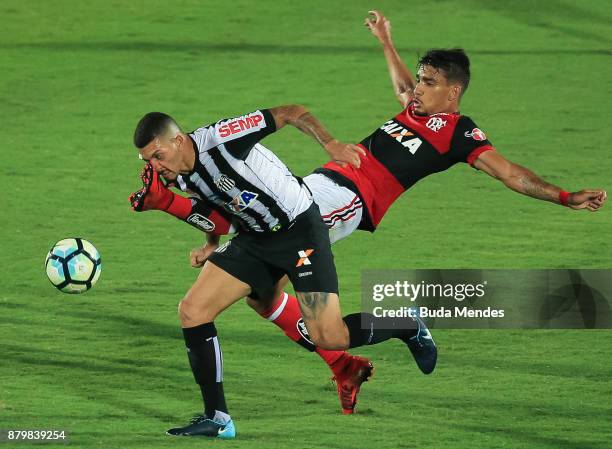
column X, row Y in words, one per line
column 429, row 135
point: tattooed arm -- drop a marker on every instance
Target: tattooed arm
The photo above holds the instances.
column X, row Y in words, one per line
column 523, row 180
column 298, row 116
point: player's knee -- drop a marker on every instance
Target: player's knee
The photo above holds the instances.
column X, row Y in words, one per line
column 193, row 312
column 185, row 310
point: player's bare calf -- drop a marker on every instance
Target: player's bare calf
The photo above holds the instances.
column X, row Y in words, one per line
column 323, row 319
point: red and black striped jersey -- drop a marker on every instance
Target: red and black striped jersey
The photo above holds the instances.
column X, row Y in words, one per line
column 408, row 148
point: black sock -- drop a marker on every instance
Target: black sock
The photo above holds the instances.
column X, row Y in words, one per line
column 366, row 329
column 206, row 360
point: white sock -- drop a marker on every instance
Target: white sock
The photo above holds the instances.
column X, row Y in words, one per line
column 221, row 418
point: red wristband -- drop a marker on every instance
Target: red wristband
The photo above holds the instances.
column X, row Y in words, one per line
column 564, row 197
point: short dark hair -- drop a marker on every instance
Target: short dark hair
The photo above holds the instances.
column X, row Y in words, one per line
column 452, row 61
column 150, row 126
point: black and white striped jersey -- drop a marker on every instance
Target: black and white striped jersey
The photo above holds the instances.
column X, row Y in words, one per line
column 237, row 173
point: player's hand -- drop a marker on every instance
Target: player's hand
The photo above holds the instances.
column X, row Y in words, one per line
column 344, row 153
column 379, row 26
column 199, row 256
column 154, row 194
column 590, row 199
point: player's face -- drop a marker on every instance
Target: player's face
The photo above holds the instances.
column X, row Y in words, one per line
column 164, row 156
column 433, row 93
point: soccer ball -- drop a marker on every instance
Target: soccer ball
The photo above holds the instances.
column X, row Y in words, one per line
column 73, row 265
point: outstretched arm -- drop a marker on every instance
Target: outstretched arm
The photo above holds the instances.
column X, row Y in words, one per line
column 401, row 78
column 302, row 119
column 523, row 180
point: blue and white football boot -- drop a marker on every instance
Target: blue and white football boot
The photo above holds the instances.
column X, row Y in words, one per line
column 201, row 426
column 422, row 346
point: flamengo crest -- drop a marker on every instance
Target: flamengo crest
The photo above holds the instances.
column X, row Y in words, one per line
column 435, row 124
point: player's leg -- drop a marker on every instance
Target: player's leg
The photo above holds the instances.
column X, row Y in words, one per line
column 349, row 371
column 213, row 292
column 215, row 289
column 341, row 210
column 315, row 281
column 321, row 312
column 282, row 309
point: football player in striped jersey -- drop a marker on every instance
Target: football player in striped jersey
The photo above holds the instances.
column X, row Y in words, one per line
column 282, row 234
column 341, row 210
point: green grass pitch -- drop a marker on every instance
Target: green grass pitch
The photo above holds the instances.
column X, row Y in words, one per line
column 110, row 365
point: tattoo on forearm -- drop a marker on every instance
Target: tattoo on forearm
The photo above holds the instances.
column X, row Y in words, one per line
column 312, row 303
column 309, row 125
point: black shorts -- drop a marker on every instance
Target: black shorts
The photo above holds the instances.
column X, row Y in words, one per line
column 303, row 252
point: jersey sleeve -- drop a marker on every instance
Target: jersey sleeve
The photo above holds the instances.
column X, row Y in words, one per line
column 209, row 218
column 204, row 215
column 237, row 134
column 468, row 142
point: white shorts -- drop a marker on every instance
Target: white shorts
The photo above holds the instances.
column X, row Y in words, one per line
column 340, row 208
